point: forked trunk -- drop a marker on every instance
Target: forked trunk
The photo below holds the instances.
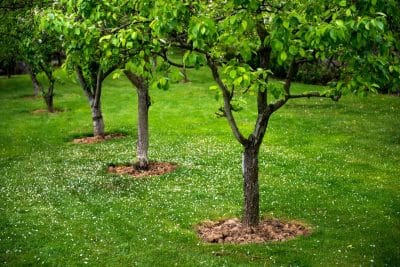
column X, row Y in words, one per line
column 92, row 86
column 143, row 127
column 49, row 95
column 98, row 123
column 251, row 213
column 36, row 85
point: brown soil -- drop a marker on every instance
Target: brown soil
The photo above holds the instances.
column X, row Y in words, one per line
column 97, row 139
column 232, row 231
column 155, row 168
column 33, row 97
column 41, row 111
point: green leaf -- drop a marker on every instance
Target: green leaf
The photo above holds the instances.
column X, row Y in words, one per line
column 380, row 25
column 342, row 3
column 238, row 81
column 244, row 25
column 232, row 74
column 286, row 24
column 332, row 34
column 339, row 22
column 293, row 50
column 106, row 37
column 283, row 56
column 277, row 45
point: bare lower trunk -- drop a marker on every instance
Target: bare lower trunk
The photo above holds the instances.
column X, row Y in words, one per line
column 251, row 213
column 93, row 94
column 143, row 127
column 35, row 82
column 185, row 76
column 49, row 95
column 49, row 102
column 143, row 118
column 98, row 123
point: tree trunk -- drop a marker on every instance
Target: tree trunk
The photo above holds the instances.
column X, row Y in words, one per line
column 48, row 99
column 35, row 82
column 185, row 76
column 49, row 95
column 144, row 103
column 97, row 117
column 251, row 212
column 143, row 127
column 93, row 93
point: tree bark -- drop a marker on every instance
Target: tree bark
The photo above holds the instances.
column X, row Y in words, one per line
column 49, row 95
column 251, row 211
column 35, row 82
column 185, row 76
column 97, row 117
column 143, row 127
column 93, row 94
column 144, row 103
column 49, row 103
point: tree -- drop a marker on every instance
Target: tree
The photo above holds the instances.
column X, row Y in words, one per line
column 38, row 49
column 81, row 25
column 131, row 41
column 240, row 40
column 24, row 41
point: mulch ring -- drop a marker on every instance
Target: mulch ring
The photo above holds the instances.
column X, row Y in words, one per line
column 41, row 111
column 232, row 231
column 155, row 168
column 98, row 138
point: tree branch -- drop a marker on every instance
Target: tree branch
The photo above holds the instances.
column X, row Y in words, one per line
column 135, row 79
column 227, row 104
column 97, row 93
column 164, row 55
column 84, row 84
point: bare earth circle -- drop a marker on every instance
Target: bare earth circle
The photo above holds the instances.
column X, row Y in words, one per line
column 97, row 139
column 155, row 168
column 41, row 111
column 232, row 231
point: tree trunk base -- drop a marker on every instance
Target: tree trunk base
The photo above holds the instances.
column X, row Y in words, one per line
column 251, row 213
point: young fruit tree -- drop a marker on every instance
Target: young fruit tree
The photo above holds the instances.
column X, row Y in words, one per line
column 81, row 25
column 132, row 42
column 240, row 39
column 24, row 41
column 37, row 50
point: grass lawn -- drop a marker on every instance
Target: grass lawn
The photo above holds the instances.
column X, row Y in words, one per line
column 333, row 166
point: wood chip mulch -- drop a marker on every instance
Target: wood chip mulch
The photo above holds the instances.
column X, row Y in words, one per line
column 155, row 168
column 97, row 139
column 232, row 231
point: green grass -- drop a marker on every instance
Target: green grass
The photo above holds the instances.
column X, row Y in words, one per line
column 333, row 166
